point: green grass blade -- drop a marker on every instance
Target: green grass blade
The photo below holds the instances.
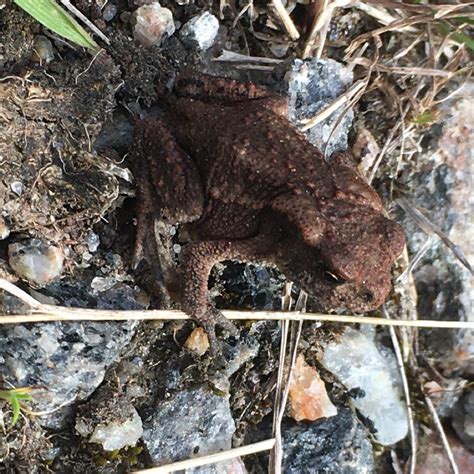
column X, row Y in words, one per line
column 54, row 17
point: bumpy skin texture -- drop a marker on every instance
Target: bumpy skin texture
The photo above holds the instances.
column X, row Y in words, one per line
column 225, row 161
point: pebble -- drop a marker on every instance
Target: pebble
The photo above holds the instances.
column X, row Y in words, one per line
column 197, row 342
column 339, row 444
column 308, row 396
column 191, row 423
column 313, row 84
column 109, row 12
column 153, row 24
column 115, row 434
column 43, row 51
column 36, row 261
column 200, row 32
column 360, row 364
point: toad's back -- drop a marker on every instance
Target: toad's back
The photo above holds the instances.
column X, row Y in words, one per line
column 246, row 154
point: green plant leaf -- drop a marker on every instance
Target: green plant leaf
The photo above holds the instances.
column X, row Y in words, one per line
column 13, row 397
column 457, row 36
column 54, row 17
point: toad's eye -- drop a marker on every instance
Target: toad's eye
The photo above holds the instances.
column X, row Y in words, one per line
column 331, row 278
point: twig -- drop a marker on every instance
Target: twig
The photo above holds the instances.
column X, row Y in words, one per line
column 211, row 459
column 442, row 434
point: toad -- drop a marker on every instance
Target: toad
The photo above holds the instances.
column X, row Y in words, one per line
column 225, row 162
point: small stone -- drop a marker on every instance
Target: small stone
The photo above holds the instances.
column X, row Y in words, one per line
column 359, row 364
column 17, row 187
column 109, row 11
column 337, row 444
column 201, row 31
column 36, row 261
column 4, row 230
column 463, row 419
column 313, row 84
column 308, row 397
column 43, row 51
column 197, row 342
column 153, row 24
column 110, row 420
column 190, row 424
column 118, row 435
column 93, row 242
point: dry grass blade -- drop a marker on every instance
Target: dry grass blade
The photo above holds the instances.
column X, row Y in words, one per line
column 40, row 312
column 211, row 459
column 333, row 106
column 286, row 20
column 442, row 434
column 406, row 393
column 67, row 4
column 231, row 57
column 429, row 228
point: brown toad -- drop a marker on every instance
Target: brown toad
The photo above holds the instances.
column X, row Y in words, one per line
column 225, row 161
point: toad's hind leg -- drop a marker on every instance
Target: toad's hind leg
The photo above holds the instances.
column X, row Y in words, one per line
column 168, row 188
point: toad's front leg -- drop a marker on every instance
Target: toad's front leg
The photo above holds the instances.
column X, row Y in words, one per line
column 197, row 260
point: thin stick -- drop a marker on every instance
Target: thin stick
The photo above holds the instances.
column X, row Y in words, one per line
column 47, row 313
column 211, row 459
column 406, row 393
column 442, row 434
column 286, row 19
column 274, row 465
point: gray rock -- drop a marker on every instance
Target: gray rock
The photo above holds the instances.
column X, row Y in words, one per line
column 201, row 31
column 313, row 84
column 463, row 419
column 192, row 423
column 337, row 444
column 68, row 359
column 441, row 187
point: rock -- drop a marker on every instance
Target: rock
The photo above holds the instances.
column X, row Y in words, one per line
column 197, row 341
column 314, row 84
column 337, row 444
column 463, row 419
column 109, row 420
column 4, row 230
column 190, row 424
column 441, row 186
column 43, row 51
column 110, row 11
column 232, row 466
column 432, row 458
column 200, row 32
column 68, row 359
column 308, row 397
column 360, row 364
column 36, row 261
column 153, row 24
